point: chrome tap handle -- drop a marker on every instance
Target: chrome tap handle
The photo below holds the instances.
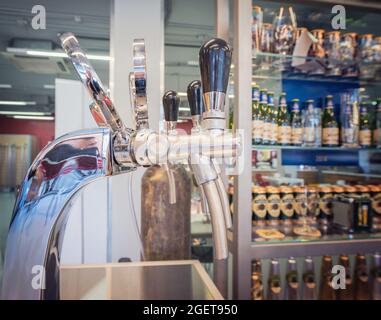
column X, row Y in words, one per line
column 139, row 85
column 91, row 80
column 215, row 59
column 171, row 102
column 196, row 104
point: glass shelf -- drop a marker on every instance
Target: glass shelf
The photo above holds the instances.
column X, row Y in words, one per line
column 271, row 66
column 340, row 148
column 331, row 235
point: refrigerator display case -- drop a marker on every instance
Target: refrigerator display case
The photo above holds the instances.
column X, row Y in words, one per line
column 289, row 57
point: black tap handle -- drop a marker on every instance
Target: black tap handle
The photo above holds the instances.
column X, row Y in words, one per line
column 171, row 103
column 194, row 93
column 215, row 58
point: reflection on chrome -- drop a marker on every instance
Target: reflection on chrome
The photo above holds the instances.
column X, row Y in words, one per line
column 74, row 160
column 41, row 211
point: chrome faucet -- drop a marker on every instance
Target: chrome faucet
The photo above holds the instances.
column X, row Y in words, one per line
column 66, row 165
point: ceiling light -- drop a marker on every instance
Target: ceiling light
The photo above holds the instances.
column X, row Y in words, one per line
column 49, row 86
column 5, row 86
column 33, row 118
column 17, row 103
column 54, row 54
column 25, row 113
column 182, row 94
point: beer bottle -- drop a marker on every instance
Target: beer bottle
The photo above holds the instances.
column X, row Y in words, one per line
column 312, row 126
column 273, row 205
column 309, row 280
column 275, row 291
column 325, row 204
column 377, row 129
column 296, row 124
column 362, row 291
column 263, row 105
column 259, row 203
column 347, row 293
column 330, row 125
column 257, row 115
column 286, row 204
column 272, row 109
column 365, row 136
column 326, row 291
column 292, row 283
column 376, row 277
column 256, row 280
column 284, row 122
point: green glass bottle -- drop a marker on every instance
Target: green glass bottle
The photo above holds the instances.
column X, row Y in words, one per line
column 377, row 127
column 284, row 122
column 365, row 136
column 257, row 115
column 330, row 125
column 263, row 106
column 273, row 114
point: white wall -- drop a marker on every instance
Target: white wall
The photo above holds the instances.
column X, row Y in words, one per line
column 86, row 231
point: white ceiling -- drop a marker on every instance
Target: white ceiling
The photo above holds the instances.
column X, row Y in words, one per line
column 189, row 23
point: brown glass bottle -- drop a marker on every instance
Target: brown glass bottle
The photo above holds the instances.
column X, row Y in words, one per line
column 330, row 125
column 259, row 202
column 292, row 283
column 376, row 277
column 347, row 292
column 361, row 277
column 326, row 292
column 309, row 280
column 275, row 291
column 273, row 205
column 256, row 280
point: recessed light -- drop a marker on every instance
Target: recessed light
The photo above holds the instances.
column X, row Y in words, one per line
column 33, row 118
column 24, row 113
column 49, row 86
column 17, row 103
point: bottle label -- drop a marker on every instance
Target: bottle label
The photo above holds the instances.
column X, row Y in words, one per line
column 284, row 134
column 287, row 205
column 365, row 137
column 274, row 132
column 257, row 129
column 330, row 136
column 349, row 136
column 376, row 203
column 309, row 134
column 259, row 206
column 300, row 204
column 297, row 136
column 273, row 205
column 266, row 133
column 325, row 203
column 257, row 287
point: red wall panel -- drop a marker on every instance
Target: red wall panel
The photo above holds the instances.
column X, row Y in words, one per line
column 42, row 129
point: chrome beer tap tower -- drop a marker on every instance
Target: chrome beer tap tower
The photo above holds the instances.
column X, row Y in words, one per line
column 76, row 159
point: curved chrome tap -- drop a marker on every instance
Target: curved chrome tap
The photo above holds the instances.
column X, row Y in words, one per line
column 63, row 167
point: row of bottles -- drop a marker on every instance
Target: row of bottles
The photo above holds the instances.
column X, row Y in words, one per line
column 275, row 125
column 361, row 286
column 281, row 205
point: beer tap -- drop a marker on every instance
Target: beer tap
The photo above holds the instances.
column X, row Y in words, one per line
column 171, row 103
column 76, row 159
column 194, row 94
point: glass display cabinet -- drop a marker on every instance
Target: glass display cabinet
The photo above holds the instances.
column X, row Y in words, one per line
column 307, row 97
